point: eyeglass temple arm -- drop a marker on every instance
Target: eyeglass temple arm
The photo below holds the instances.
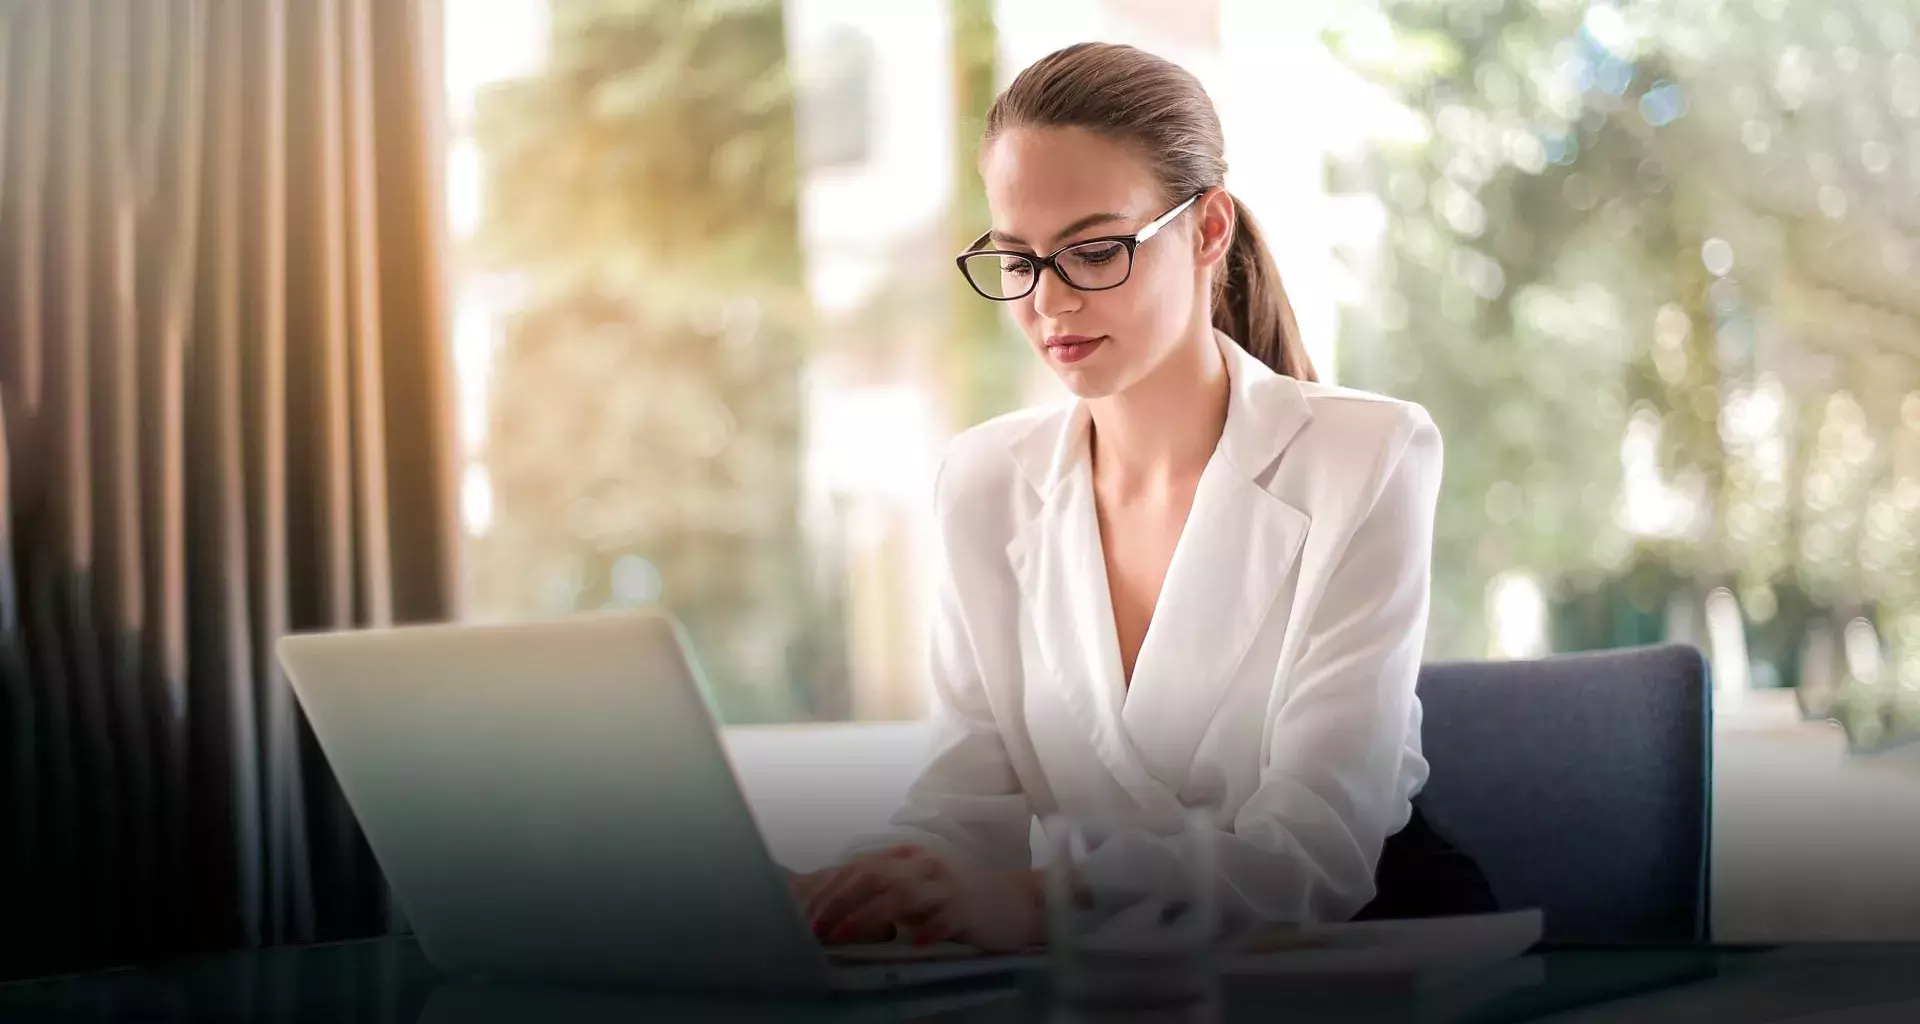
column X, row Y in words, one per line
column 1164, row 219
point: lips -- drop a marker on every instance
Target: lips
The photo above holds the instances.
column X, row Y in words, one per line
column 1071, row 348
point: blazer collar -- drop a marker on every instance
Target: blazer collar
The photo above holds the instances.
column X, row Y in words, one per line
column 1265, row 410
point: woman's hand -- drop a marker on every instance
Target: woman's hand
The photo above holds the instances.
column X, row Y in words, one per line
column 918, row 893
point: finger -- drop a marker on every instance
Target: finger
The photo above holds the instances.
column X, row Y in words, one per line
column 812, row 884
column 880, row 886
column 825, row 881
column 870, row 921
column 863, row 884
column 923, row 903
column 936, row 929
column 853, row 882
column 843, row 880
column 905, row 906
column 943, row 925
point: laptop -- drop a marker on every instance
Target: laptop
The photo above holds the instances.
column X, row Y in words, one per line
column 551, row 802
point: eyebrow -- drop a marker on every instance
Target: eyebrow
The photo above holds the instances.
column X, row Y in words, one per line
column 1072, row 229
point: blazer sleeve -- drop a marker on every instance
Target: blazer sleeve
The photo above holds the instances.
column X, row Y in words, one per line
column 1304, row 846
column 967, row 803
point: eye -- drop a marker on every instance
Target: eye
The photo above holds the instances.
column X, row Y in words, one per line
column 1015, row 265
column 1097, row 255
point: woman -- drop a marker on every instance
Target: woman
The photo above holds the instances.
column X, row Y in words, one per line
column 1202, row 584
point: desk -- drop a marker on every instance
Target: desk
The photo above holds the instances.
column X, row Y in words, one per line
column 389, row 981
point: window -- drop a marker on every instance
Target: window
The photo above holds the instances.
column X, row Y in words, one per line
column 836, row 100
column 1651, row 269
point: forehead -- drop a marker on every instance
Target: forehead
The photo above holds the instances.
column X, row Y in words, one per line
column 1041, row 179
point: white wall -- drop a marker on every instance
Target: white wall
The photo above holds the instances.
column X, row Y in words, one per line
column 1809, row 842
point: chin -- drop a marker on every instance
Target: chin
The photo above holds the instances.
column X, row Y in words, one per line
column 1086, row 385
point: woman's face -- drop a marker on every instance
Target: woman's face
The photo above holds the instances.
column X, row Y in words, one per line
column 1050, row 187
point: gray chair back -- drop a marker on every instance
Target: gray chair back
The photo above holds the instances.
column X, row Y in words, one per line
column 1579, row 784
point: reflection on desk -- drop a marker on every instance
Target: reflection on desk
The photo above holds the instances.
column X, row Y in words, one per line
column 1778, row 985
column 481, row 1003
column 389, row 980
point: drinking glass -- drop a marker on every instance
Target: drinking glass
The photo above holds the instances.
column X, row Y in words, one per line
column 1132, row 941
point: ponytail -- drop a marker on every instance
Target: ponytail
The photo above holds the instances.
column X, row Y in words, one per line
column 1250, row 305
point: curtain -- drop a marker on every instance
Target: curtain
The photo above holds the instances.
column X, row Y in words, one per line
column 225, row 404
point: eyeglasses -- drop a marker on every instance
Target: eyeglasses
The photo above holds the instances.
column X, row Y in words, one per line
column 1092, row 265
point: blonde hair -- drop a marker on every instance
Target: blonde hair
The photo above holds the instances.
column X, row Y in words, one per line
column 1158, row 108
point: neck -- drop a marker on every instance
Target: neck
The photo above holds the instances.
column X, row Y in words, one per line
column 1163, row 429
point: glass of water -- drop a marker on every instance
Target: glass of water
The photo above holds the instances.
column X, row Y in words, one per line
column 1131, row 937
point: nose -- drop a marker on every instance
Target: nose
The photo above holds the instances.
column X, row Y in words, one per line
column 1053, row 297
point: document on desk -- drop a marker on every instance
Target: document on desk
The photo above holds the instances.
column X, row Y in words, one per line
column 1413, row 953
column 1405, row 955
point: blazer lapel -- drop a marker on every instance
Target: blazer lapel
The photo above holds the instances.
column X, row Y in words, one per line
column 1059, row 563
column 1231, row 564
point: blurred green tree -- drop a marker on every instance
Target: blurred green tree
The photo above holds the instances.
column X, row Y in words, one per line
column 1650, row 267
column 986, row 358
column 644, row 438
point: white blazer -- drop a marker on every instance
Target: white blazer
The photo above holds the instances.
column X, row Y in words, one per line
column 1274, row 689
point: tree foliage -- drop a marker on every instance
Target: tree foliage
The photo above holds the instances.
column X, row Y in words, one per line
column 1651, row 268
column 644, row 439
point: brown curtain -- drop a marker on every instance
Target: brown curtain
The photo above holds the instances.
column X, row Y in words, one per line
column 226, row 415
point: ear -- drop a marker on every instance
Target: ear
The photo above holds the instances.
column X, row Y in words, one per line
column 1214, row 214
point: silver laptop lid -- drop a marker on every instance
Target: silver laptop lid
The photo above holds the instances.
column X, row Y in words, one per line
column 551, row 800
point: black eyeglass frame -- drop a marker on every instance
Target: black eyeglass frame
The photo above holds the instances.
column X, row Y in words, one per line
column 1050, row 260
